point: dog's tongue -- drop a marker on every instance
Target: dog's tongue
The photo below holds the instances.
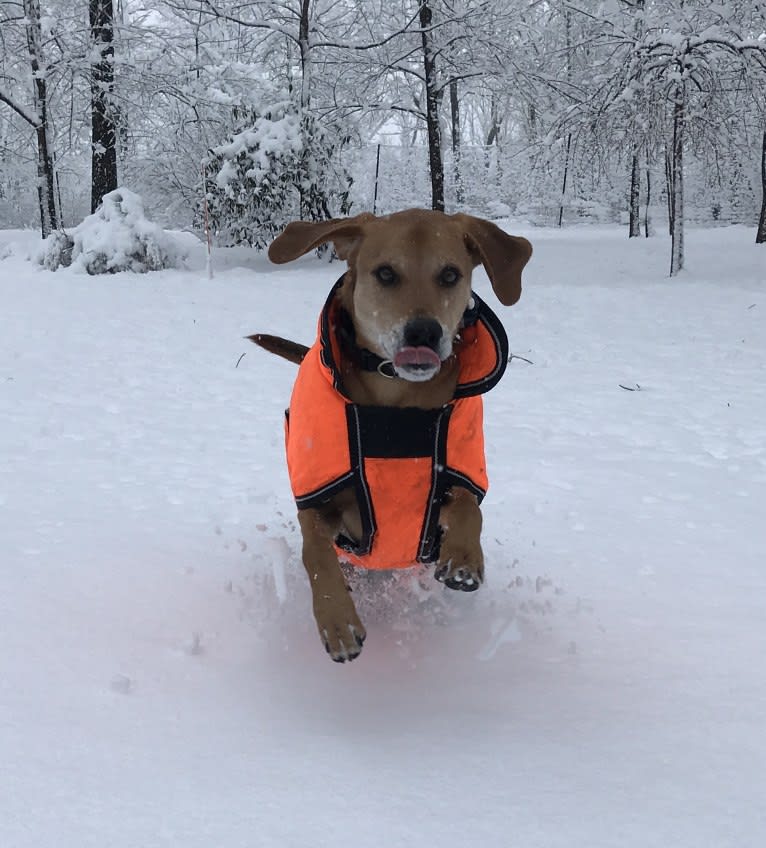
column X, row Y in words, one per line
column 423, row 356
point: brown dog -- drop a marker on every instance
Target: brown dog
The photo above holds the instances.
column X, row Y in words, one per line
column 404, row 353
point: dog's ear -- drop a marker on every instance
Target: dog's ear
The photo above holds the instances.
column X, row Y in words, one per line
column 503, row 256
column 300, row 237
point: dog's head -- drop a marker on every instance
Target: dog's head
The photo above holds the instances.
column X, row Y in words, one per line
column 409, row 279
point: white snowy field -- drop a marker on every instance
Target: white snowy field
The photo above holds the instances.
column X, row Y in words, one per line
column 161, row 680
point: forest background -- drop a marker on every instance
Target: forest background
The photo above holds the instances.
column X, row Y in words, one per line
column 649, row 113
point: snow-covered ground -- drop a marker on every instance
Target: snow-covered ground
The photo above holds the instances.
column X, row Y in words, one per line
column 161, row 681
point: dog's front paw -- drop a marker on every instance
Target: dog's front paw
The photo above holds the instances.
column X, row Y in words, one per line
column 460, row 570
column 340, row 629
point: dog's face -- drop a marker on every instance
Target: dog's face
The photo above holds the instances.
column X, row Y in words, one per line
column 409, row 279
column 409, row 286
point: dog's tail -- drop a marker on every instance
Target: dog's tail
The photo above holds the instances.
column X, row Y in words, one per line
column 291, row 351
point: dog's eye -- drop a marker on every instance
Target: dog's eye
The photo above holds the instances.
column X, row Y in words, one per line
column 386, row 275
column 449, row 276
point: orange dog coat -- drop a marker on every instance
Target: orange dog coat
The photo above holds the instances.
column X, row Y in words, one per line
column 399, row 462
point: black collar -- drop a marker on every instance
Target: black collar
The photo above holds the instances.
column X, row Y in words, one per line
column 361, row 357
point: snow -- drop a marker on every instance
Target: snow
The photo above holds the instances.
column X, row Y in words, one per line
column 161, row 680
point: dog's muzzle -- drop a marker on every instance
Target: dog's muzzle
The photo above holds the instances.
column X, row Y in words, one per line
column 418, row 359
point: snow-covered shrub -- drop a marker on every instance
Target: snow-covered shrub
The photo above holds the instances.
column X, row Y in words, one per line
column 116, row 237
column 498, row 209
column 56, row 251
column 278, row 169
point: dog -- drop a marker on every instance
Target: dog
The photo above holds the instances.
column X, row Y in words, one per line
column 384, row 431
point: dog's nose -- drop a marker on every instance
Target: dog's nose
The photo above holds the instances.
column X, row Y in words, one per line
column 422, row 332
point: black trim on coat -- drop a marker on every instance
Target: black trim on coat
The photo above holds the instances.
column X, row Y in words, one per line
column 389, row 432
column 500, row 339
column 363, row 497
column 429, row 533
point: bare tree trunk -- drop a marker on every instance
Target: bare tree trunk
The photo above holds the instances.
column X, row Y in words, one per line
column 45, row 181
column 304, row 43
column 103, row 125
column 648, row 197
column 634, row 229
column 435, row 160
column 569, row 57
column 677, row 233
column 46, row 184
column 669, row 187
column 59, row 204
column 456, row 141
column 564, row 183
column 493, row 138
column 760, row 237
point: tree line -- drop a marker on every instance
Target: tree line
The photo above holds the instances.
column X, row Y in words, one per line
column 256, row 105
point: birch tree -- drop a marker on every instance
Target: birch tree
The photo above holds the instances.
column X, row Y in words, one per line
column 686, row 58
column 672, row 54
column 37, row 115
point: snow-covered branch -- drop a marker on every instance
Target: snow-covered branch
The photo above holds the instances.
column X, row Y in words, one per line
column 29, row 115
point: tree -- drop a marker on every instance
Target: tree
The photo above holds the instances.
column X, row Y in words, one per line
column 433, row 98
column 103, row 126
column 674, row 54
column 454, row 102
column 66, row 58
column 38, row 117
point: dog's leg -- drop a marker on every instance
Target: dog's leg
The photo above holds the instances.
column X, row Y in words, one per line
column 461, row 561
column 339, row 626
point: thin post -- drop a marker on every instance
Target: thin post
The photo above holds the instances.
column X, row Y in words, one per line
column 209, row 261
column 377, row 172
column 760, row 237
